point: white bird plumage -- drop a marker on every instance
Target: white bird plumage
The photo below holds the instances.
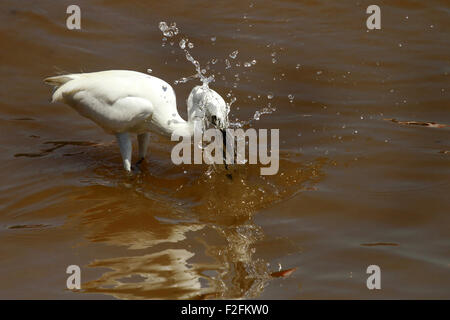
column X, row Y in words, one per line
column 126, row 102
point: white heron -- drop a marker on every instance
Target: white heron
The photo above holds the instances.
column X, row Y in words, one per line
column 125, row 102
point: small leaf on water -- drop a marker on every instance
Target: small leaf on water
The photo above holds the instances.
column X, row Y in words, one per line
column 283, row 273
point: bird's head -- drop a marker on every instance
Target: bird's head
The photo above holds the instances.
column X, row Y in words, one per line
column 204, row 103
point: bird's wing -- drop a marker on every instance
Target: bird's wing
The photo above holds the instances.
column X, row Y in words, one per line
column 125, row 114
column 115, row 96
column 115, row 103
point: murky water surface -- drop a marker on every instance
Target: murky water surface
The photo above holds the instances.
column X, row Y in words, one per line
column 353, row 189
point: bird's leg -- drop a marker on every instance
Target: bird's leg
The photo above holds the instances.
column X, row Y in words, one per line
column 143, row 141
column 125, row 146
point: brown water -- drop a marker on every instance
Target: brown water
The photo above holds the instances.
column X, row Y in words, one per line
column 353, row 189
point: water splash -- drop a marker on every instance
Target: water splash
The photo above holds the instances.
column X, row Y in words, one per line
column 171, row 30
column 266, row 110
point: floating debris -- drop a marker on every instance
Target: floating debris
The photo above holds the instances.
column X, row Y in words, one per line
column 375, row 244
column 29, row 226
column 419, row 123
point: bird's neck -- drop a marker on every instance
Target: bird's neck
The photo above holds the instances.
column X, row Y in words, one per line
column 181, row 129
column 184, row 128
column 176, row 125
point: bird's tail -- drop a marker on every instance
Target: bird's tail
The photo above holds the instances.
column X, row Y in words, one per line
column 58, row 81
column 59, row 84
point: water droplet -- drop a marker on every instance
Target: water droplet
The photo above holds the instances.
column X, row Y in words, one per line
column 182, row 43
column 274, row 60
column 149, row 70
column 253, row 62
column 234, row 54
column 213, row 39
column 319, row 72
column 190, row 45
column 227, row 64
column 162, row 26
column 168, row 31
column 214, row 61
column 270, row 95
column 298, row 66
column 291, row 98
column 247, row 64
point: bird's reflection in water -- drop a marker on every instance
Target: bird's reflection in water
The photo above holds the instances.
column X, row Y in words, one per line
column 206, row 250
column 162, row 274
column 168, row 274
